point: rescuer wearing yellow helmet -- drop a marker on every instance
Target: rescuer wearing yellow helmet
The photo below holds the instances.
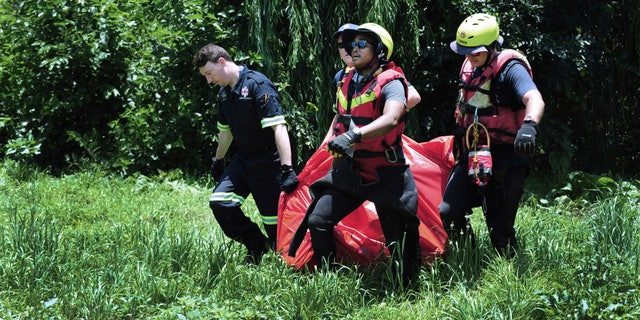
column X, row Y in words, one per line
column 496, row 90
column 368, row 162
column 413, row 96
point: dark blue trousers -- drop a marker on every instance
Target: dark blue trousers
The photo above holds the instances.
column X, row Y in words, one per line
column 502, row 196
column 255, row 175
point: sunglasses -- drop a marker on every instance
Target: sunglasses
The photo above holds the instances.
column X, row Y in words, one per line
column 477, row 54
column 360, row 44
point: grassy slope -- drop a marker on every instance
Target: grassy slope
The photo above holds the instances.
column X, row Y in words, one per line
column 98, row 247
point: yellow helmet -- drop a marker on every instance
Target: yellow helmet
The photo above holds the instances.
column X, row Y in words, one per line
column 384, row 47
column 476, row 33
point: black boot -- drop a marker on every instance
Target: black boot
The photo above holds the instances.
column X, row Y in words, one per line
column 271, row 244
column 412, row 260
column 255, row 251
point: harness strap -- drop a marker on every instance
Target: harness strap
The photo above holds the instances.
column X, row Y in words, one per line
column 470, row 87
column 362, row 121
column 392, row 154
column 467, row 108
column 503, row 132
column 351, row 90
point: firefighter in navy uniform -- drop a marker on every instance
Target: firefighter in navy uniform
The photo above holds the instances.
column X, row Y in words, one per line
column 250, row 115
column 496, row 90
column 368, row 160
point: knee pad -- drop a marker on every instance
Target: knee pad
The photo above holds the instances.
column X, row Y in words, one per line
column 444, row 209
column 319, row 224
column 445, row 215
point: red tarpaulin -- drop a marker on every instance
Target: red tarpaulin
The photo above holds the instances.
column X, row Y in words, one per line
column 359, row 237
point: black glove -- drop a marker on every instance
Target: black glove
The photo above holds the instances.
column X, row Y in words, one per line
column 217, row 168
column 289, row 179
column 340, row 144
column 525, row 144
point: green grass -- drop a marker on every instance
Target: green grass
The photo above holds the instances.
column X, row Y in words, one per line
column 95, row 246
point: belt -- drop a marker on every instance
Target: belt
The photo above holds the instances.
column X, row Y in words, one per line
column 392, row 154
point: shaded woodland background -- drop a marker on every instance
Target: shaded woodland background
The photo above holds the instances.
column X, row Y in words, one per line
column 109, row 84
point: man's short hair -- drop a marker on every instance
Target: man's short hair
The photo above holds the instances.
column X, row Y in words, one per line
column 210, row 52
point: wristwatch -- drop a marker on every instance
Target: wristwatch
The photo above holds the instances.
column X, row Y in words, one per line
column 528, row 119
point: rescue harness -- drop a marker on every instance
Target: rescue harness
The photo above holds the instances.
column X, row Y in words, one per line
column 477, row 101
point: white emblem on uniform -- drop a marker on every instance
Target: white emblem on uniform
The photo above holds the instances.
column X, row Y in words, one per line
column 244, row 92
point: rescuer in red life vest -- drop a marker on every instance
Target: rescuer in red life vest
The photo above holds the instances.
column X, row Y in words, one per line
column 368, row 163
column 498, row 92
column 413, row 96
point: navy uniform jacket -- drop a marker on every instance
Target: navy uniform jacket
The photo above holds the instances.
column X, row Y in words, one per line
column 249, row 110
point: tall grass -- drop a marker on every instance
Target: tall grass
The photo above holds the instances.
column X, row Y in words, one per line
column 95, row 246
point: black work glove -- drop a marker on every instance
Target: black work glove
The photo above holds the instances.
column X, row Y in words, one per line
column 341, row 144
column 525, row 144
column 288, row 179
column 217, row 168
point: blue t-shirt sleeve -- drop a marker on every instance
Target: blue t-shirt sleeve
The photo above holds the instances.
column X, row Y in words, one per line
column 517, row 75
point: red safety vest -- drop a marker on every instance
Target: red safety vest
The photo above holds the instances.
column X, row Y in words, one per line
column 476, row 97
column 365, row 106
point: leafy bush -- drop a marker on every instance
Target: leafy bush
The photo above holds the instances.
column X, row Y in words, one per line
column 110, row 83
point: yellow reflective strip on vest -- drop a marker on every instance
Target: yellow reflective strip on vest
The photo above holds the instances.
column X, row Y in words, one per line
column 342, row 100
column 358, row 100
column 363, row 99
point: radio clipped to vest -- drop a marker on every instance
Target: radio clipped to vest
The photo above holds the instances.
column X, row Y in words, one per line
column 480, row 163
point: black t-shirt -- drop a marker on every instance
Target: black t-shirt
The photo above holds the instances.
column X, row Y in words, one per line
column 508, row 87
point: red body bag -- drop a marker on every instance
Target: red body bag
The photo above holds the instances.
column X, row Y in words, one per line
column 359, row 237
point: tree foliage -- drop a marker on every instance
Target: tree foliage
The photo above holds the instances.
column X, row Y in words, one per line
column 107, row 81
column 111, row 83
